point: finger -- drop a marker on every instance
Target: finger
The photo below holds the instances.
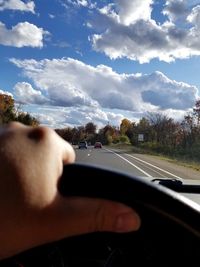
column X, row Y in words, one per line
column 104, row 215
column 76, row 216
column 68, row 154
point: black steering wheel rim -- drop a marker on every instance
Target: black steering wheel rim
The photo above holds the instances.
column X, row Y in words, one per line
column 169, row 234
column 91, row 181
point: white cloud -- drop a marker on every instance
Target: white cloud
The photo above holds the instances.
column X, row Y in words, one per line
column 78, row 3
column 71, row 83
column 5, row 92
column 52, row 16
column 77, row 93
column 47, row 120
column 82, row 3
column 25, row 94
column 57, row 117
column 22, row 34
column 127, row 29
column 83, row 115
column 176, row 9
column 127, row 12
column 194, row 16
column 131, row 11
column 29, row 6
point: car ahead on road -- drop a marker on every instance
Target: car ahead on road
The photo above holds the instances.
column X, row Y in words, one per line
column 98, row 145
column 83, row 144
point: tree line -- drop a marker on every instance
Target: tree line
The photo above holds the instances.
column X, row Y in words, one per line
column 160, row 134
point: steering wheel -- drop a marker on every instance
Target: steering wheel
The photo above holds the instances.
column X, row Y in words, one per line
column 169, row 233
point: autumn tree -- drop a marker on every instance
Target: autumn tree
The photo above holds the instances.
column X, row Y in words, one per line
column 7, row 108
column 125, row 126
column 9, row 113
column 106, row 134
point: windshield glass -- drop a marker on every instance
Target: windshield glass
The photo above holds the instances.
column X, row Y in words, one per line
column 123, row 73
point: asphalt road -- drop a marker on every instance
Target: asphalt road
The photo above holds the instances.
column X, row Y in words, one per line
column 134, row 164
column 146, row 166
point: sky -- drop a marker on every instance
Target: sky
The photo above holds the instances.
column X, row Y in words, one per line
column 70, row 62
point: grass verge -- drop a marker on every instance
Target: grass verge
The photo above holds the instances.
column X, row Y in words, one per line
column 182, row 161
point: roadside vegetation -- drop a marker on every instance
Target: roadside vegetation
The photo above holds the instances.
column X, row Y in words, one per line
column 155, row 134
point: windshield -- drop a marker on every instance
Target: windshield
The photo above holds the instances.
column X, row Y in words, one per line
column 123, row 73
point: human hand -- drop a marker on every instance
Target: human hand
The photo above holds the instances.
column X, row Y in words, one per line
column 31, row 209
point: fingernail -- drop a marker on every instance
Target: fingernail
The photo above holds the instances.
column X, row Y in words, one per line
column 127, row 222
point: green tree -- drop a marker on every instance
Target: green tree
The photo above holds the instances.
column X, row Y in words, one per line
column 196, row 112
column 124, row 139
column 90, row 128
column 66, row 133
column 27, row 119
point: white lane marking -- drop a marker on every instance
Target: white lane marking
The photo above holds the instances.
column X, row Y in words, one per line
column 145, row 173
column 153, row 170
column 147, row 163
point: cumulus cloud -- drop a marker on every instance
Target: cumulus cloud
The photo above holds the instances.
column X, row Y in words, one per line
column 59, row 117
column 173, row 95
column 101, row 87
column 5, row 92
column 17, row 5
column 83, row 115
column 194, row 17
column 25, row 94
column 22, row 34
column 127, row 29
column 131, row 11
column 176, row 9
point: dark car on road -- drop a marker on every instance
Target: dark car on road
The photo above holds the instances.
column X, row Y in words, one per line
column 82, row 144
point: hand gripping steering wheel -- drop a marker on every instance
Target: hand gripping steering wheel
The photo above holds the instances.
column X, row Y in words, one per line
column 169, row 233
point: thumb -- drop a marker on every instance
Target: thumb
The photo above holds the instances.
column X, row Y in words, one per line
column 76, row 215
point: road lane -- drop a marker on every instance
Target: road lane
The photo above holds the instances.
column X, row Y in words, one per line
column 138, row 165
column 117, row 161
column 106, row 159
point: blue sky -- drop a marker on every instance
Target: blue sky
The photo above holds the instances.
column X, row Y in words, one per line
column 69, row 62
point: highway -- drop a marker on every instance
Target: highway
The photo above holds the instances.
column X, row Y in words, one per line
column 146, row 166
column 134, row 164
